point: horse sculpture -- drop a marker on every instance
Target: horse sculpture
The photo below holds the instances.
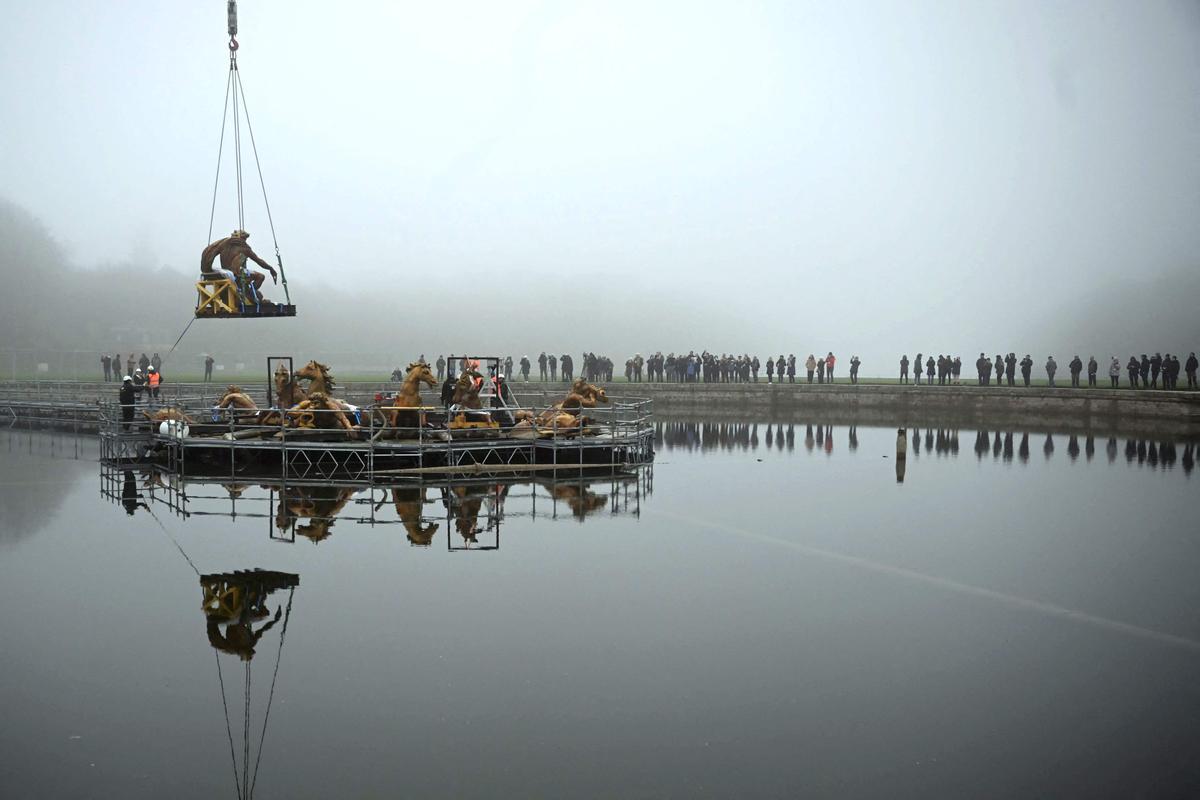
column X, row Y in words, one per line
column 288, row 393
column 409, row 396
column 409, row 502
column 237, row 399
column 564, row 417
column 466, row 389
column 321, row 382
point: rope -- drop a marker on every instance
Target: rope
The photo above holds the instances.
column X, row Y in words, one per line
column 180, row 339
column 228, row 728
column 267, row 716
column 246, row 732
column 263, row 184
column 173, row 540
column 237, row 144
column 220, row 150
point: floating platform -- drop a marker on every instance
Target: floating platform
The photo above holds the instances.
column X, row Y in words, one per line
column 615, row 438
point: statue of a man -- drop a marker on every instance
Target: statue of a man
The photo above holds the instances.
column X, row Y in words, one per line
column 234, row 250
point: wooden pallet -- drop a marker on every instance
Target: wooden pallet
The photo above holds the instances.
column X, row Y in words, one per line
column 218, row 298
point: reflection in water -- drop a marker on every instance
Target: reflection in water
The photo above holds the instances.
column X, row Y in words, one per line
column 471, row 509
column 233, row 604
column 34, row 468
column 941, row 442
column 409, row 501
column 318, row 506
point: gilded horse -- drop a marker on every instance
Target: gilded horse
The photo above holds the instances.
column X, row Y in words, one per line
column 409, row 396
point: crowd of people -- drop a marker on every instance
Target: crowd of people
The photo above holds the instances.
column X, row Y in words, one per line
column 143, row 376
column 706, row 367
column 1143, row 373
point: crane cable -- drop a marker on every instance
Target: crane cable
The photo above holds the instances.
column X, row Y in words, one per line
column 234, row 90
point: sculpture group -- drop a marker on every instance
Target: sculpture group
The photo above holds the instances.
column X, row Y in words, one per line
column 305, row 399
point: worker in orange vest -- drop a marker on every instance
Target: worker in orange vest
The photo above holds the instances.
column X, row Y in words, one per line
column 154, row 380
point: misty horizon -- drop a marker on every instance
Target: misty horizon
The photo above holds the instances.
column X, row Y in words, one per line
column 620, row 179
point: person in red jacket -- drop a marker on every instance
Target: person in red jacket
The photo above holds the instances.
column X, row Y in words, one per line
column 829, row 362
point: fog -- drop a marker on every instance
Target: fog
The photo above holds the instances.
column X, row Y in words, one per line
column 618, row 177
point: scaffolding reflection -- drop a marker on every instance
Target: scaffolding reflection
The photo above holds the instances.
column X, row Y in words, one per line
column 471, row 511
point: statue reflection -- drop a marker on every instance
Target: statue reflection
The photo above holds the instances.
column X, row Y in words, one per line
column 318, row 505
column 233, row 604
column 409, row 503
column 579, row 498
column 235, row 601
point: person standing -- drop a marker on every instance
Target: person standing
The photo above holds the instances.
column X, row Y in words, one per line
column 129, row 367
column 542, row 366
column 810, row 366
column 441, row 367
column 1156, row 365
column 755, row 364
column 144, row 363
column 1076, row 367
column 156, row 362
column 829, row 363
column 1144, row 371
column 904, row 368
column 1114, row 372
column 552, row 362
column 929, row 365
column 770, row 368
column 791, row 368
column 820, row 370
column 208, row 366
column 1134, row 367
column 1190, row 367
column 525, row 365
column 1026, row 368
column 1051, row 368
column 854, row 364
column 1010, row 369
column 106, row 363
column 568, row 367
column 127, row 398
column 1171, row 365
column 1093, row 368
column 153, row 381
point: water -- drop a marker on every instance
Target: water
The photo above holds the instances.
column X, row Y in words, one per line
column 769, row 614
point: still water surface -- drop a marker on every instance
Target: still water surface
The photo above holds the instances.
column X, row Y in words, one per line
column 770, row 614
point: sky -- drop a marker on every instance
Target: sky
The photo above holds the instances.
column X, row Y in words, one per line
column 730, row 176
